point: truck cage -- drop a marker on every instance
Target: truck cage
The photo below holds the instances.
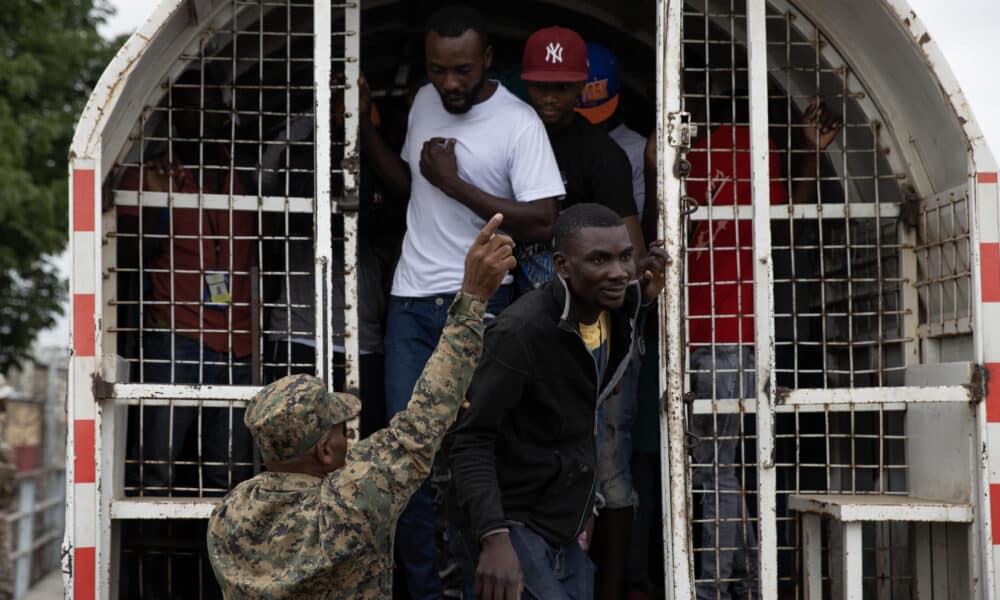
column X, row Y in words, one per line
column 852, row 424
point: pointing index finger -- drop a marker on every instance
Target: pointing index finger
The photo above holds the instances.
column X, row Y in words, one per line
column 488, row 230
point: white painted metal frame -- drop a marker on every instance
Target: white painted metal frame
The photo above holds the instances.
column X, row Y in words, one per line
column 763, row 287
column 678, row 566
column 352, row 72
column 93, row 517
column 322, row 80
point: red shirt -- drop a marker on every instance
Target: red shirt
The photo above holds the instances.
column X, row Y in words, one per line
column 729, row 294
column 190, row 311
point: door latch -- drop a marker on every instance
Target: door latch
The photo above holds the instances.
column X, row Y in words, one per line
column 680, row 130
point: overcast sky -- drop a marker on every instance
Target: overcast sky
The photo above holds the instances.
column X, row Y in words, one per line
column 965, row 30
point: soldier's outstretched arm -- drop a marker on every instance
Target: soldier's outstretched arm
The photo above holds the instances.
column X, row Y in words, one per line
column 399, row 457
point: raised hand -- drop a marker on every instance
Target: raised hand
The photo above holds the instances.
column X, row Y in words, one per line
column 652, row 271
column 489, row 259
column 823, row 125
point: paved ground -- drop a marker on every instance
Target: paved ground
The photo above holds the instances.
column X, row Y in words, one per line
column 49, row 588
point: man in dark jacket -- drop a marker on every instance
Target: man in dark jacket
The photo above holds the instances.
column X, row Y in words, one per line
column 523, row 455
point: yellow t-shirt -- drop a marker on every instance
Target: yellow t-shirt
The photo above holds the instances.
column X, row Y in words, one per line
column 597, row 338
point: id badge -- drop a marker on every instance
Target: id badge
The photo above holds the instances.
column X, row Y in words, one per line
column 217, row 294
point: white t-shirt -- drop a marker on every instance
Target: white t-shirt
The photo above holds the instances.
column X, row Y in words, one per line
column 634, row 146
column 502, row 148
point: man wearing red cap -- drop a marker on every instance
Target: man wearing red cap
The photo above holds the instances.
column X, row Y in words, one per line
column 594, row 169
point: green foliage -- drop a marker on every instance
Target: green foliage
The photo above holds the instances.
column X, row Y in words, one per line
column 51, row 56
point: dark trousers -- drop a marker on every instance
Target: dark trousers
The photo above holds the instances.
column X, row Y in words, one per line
column 188, row 450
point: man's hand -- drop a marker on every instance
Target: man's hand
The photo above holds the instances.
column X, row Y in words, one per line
column 498, row 574
column 162, row 175
column 822, row 125
column 488, row 260
column 652, row 272
column 438, row 164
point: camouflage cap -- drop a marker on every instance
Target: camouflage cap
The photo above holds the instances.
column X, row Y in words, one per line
column 289, row 416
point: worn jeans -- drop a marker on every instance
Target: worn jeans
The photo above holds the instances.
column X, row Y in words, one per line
column 614, row 444
column 727, row 560
column 412, row 332
column 218, row 434
column 551, row 573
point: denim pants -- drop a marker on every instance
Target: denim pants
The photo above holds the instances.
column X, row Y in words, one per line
column 727, row 560
column 564, row 573
column 614, row 440
column 551, row 573
column 217, row 434
column 413, row 329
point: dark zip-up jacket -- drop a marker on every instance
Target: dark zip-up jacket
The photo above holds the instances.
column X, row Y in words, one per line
column 524, row 450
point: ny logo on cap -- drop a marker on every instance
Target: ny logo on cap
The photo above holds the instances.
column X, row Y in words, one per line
column 553, row 53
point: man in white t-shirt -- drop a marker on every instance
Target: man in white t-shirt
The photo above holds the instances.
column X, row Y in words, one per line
column 472, row 149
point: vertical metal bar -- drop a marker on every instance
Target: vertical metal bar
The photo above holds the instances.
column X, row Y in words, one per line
column 678, row 573
column 323, row 247
column 853, row 565
column 287, row 177
column 982, row 226
column 763, row 294
column 812, row 547
column 352, row 183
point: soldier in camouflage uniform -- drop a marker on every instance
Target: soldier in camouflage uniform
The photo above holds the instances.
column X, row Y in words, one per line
column 319, row 523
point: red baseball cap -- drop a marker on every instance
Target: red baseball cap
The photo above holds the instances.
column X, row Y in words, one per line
column 554, row 54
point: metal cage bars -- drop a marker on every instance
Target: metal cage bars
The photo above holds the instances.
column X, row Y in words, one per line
column 863, row 237
column 271, row 32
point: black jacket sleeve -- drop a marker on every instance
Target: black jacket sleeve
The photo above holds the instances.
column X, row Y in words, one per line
column 497, row 387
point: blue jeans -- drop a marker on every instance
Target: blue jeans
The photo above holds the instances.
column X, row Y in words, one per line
column 726, row 563
column 550, row 573
column 614, row 444
column 413, row 329
column 217, row 433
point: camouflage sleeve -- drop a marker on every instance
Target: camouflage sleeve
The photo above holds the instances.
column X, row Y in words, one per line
column 400, row 456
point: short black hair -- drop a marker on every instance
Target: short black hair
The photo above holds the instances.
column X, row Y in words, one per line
column 455, row 19
column 580, row 216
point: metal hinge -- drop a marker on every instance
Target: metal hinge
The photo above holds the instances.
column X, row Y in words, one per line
column 680, row 130
column 979, row 386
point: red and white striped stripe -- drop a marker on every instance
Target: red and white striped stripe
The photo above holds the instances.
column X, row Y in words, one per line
column 987, row 236
column 82, row 471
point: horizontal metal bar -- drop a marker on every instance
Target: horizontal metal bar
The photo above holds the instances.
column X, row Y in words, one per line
column 947, row 373
column 214, row 201
column 880, row 508
column 201, row 393
column 749, row 406
column 39, row 472
column 946, row 328
column 875, row 396
column 162, row 508
column 857, row 210
column 39, row 542
column 35, row 509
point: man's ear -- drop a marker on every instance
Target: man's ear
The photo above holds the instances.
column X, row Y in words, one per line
column 488, row 58
column 323, row 450
column 562, row 268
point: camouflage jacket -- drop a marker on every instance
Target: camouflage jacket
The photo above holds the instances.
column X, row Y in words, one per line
column 288, row 535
